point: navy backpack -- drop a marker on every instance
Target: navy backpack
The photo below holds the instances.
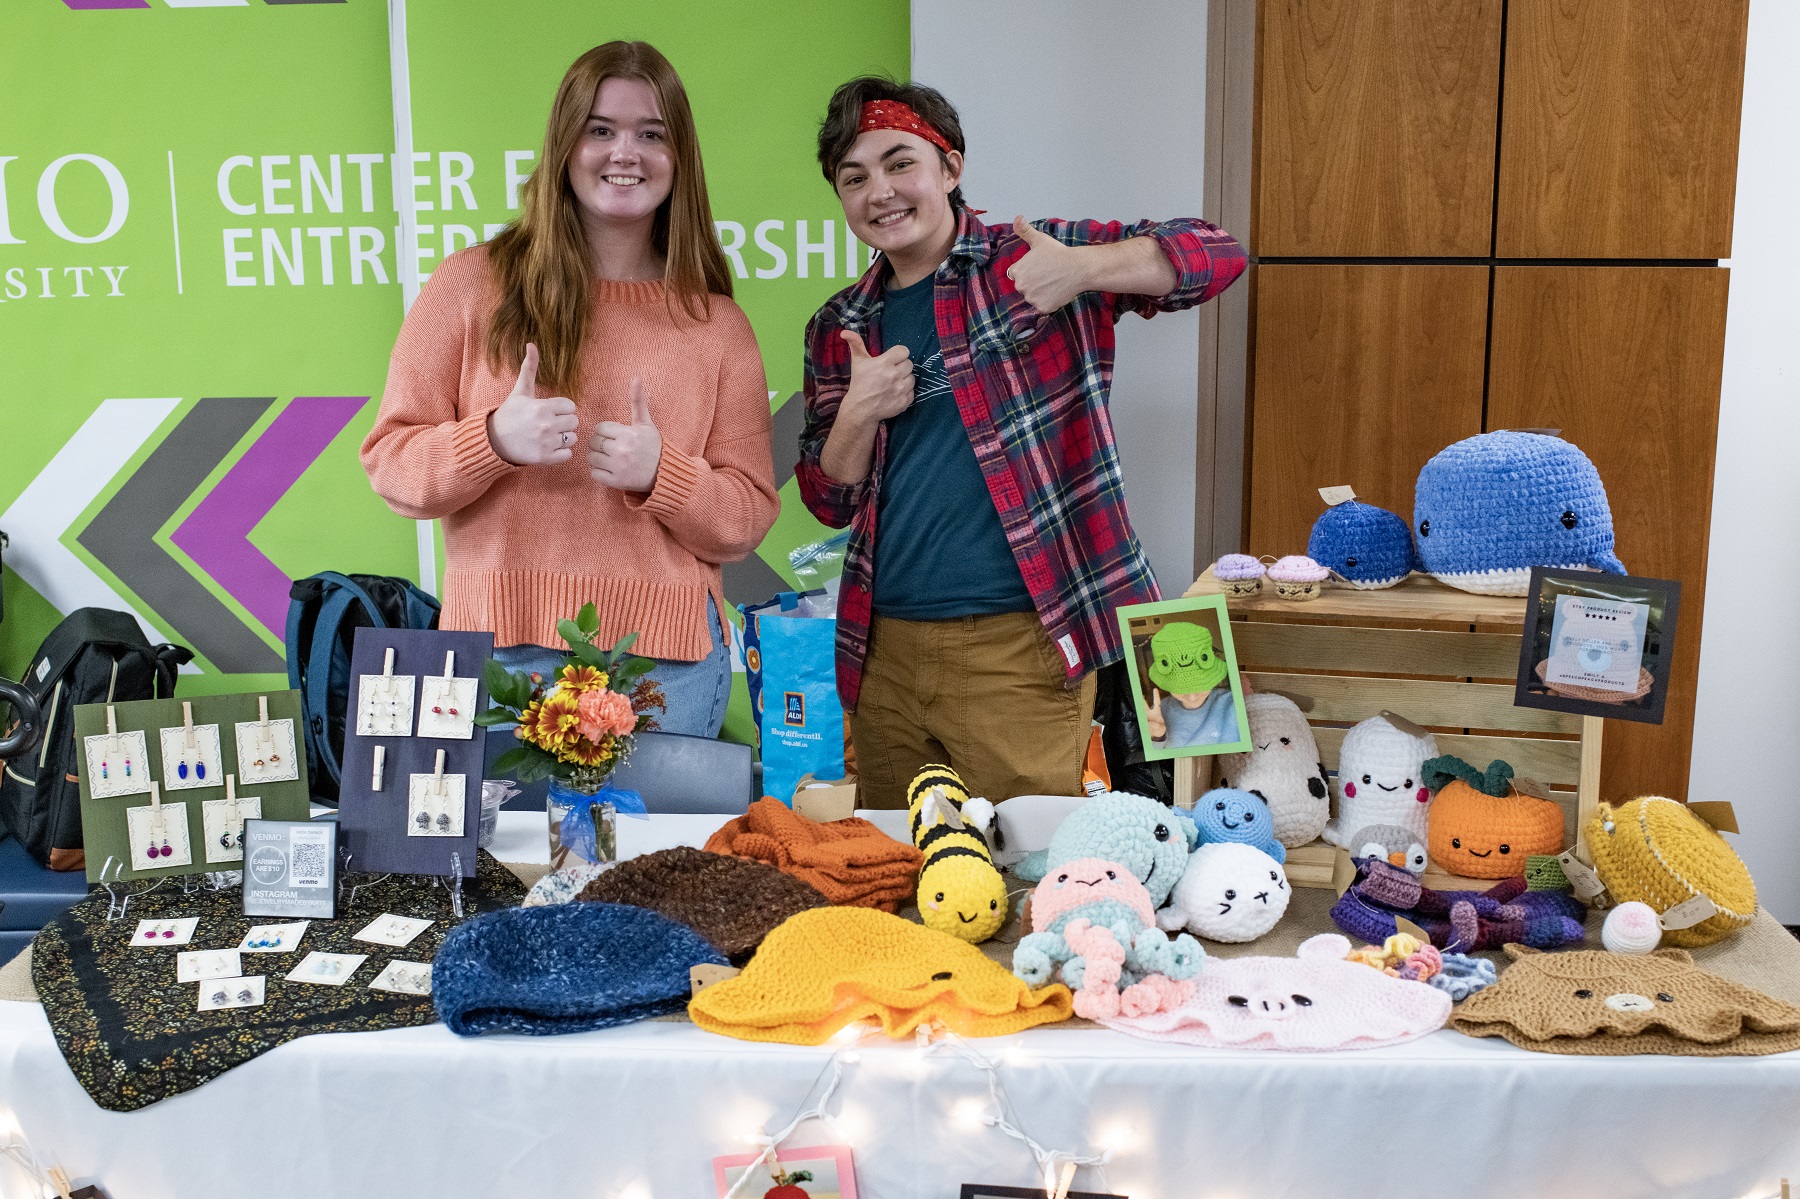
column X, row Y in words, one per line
column 324, row 612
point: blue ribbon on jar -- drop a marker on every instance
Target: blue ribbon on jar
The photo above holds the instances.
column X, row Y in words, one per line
column 577, row 832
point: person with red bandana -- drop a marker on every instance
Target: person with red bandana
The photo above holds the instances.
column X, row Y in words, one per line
column 956, row 421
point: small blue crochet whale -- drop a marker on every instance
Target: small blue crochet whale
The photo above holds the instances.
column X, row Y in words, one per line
column 1489, row 508
column 1227, row 814
column 1366, row 546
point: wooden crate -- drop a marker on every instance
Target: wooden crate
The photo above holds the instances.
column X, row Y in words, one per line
column 1442, row 658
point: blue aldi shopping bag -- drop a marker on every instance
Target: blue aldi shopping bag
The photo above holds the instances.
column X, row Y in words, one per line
column 790, row 661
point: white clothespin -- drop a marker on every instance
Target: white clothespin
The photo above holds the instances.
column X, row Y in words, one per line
column 380, row 761
column 262, row 714
column 439, row 785
column 187, row 721
column 112, row 731
column 449, row 664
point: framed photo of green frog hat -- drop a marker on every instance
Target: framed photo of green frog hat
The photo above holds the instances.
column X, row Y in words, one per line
column 1184, row 677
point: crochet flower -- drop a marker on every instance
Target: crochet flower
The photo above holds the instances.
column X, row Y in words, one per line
column 603, row 712
column 581, row 679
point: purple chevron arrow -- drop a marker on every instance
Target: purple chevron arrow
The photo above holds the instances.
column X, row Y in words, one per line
column 216, row 535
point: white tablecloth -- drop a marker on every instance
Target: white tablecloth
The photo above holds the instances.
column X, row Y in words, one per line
column 640, row 1111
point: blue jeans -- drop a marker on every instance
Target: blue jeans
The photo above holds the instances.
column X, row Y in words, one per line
column 696, row 692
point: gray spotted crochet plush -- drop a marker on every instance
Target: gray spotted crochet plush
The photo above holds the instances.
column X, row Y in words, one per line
column 566, row 968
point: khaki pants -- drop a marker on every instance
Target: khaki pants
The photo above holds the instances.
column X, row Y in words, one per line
column 984, row 694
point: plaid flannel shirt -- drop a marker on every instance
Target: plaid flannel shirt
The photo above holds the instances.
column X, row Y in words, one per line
column 1032, row 391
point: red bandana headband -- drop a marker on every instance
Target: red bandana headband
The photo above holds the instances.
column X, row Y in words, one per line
column 893, row 114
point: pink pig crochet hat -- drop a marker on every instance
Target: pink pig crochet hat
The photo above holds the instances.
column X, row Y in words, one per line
column 1313, row 1001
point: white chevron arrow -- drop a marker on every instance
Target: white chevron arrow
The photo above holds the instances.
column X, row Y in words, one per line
column 62, row 491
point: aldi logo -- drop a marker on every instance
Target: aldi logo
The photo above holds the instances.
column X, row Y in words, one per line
column 794, row 714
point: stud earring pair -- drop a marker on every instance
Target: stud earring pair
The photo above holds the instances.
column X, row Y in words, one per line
column 263, row 942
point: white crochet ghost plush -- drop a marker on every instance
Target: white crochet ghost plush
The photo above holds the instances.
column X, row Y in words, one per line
column 1282, row 768
column 1379, row 781
column 1229, row 892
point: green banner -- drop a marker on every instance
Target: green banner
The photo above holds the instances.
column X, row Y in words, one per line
column 200, row 272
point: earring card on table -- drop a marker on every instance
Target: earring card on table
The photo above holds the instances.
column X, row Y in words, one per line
column 231, row 732
column 378, row 821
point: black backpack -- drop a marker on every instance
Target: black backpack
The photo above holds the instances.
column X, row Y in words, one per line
column 324, row 612
column 95, row 656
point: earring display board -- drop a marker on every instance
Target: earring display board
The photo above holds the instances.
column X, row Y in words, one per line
column 412, row 767
column 242, row 762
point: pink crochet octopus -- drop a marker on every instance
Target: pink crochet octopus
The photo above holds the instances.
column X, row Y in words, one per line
column 1096, row 919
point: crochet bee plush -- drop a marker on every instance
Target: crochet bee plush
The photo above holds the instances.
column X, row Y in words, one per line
column 960, row 891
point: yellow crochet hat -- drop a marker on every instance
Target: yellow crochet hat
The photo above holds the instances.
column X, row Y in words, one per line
column 1658, row 852
column 822, row 969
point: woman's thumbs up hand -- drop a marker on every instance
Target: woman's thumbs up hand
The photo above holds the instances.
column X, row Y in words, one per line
column 626, row 457
column 528, row 431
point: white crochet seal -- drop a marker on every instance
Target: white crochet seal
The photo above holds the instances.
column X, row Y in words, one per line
column 1229, row 892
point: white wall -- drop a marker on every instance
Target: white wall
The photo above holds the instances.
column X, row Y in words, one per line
column 1747, row 727
column 1073, row 109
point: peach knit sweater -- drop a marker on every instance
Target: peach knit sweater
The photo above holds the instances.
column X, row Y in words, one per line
column 526, row 545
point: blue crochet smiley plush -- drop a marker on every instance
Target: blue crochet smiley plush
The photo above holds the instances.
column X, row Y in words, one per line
column 1227, row 814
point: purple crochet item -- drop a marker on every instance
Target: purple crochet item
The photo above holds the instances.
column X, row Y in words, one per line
column 1457, row 921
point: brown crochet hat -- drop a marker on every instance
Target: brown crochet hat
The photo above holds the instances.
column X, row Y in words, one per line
column 731, row 902
column 1591, row 1001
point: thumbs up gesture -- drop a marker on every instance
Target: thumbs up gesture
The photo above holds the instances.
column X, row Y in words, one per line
column 528, row 431
column 1050, row 274
column 881, row 385
column 626, row 457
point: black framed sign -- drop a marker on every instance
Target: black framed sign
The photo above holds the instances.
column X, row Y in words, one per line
column 977, row 1190
column 1598, row 644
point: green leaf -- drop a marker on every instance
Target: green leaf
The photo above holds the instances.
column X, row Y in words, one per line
column 588, row 621
column 514, row 759
column 625, row 643
column 632, row 670
column 587, row 655
column 489, row 717
column 571, row 633
column 506, row 687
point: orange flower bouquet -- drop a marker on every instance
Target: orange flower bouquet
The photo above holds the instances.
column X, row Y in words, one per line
column 578, row 726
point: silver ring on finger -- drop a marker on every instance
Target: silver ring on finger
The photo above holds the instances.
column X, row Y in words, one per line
column 564, row 436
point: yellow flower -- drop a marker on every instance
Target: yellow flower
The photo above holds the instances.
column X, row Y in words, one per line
column 585, row 753
column 578, row 678
column 557, row 718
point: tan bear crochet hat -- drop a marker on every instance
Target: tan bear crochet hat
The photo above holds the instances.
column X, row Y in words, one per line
column 1589, row 1001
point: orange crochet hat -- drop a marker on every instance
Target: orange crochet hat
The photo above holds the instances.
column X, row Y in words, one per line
column 826, row 968
column 850, row 861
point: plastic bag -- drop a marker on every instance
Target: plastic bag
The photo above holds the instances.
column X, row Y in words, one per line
column 790, row 660
column 819, row 567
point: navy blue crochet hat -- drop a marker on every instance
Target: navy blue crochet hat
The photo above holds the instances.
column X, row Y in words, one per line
column 565, row 968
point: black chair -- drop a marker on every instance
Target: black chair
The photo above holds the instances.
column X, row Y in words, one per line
column 693, row 775
column 674, row 772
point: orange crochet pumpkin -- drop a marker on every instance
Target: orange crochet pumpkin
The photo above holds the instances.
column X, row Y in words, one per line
column 1480, row 826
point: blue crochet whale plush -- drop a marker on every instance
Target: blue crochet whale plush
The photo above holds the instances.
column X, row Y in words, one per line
column 1366, row 546
column 1489, row 508
column 1137, row 832
column 1227, row 814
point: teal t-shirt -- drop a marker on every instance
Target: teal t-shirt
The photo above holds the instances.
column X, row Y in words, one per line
column 939, row 549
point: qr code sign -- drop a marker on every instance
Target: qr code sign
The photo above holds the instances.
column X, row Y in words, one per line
column 309, row 864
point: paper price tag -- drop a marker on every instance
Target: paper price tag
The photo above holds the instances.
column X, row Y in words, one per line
column 1343, row 870
column 824, row 804
column 1689, row 913
column 1333, row 496
column 1402, row 723
column 1582, row 879
column 705, row 975
column 1403, row 925
column 1717, row 813
column 1530, row 786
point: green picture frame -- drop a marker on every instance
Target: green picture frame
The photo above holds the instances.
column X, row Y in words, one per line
column 1138, row 624
column 104, row 828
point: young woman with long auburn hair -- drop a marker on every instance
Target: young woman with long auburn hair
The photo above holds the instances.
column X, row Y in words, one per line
column 582, row 404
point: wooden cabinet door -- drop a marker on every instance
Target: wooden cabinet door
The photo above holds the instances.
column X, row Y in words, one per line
column 1620, row 132
column 1377, row 127
column 1362, row 372
column 1626, row 362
